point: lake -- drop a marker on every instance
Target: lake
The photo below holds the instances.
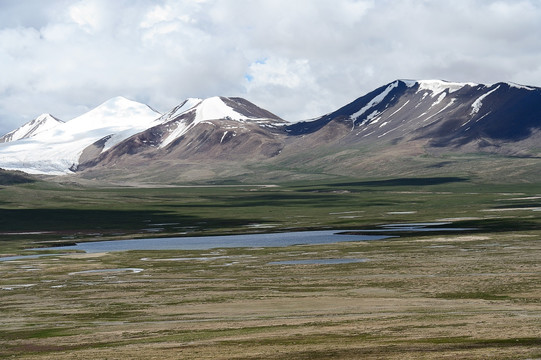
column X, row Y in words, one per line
column 246, row 240
column 318, row 261
column 226, row 241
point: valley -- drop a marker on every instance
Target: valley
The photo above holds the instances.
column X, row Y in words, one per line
column 421, row 127
column 466, row 294
column 282, row 180
column 403, row 225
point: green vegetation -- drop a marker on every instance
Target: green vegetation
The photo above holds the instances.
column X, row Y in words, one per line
column 470, row 294
column 68, row 212
column 14, row 177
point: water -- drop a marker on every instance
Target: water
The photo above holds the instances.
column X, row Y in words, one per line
column 20, row 257
column 229, row 241
column 133, row 270
column 243, row 241
column 317, row 261
column 415, row 227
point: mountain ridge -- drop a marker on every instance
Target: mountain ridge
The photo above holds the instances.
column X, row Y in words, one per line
column 56, row 150
column 42, row 123
column 402, row 118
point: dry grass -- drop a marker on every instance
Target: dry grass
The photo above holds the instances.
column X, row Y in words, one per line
column 444, row 297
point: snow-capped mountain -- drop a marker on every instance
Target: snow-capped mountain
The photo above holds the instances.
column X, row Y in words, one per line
column 40, row 124
column 217, row 108
column 58, row 149
column 413, row 117
column 216, row 127
column 446, row 114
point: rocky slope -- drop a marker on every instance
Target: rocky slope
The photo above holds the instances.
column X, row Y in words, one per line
column 231, row 137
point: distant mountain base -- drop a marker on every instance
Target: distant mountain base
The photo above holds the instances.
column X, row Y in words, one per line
column 404, row 128
column 14, row 177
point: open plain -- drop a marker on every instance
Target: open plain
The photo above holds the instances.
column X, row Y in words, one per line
column 473, row 294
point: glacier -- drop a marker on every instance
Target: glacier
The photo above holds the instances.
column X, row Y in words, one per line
column 56, row 151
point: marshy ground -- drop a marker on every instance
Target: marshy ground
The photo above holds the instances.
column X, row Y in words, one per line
column 466, row 295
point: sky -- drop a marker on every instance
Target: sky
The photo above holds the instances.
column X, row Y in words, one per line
column 296, row 58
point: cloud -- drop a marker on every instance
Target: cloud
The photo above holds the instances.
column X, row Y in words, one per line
column 299, row 59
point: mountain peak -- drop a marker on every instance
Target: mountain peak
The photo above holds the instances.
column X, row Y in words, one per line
column 217, row 108
column 194, row 111
column 45, row 117
column 178, row 110
column 214, row 108
column 117, row 112
column 121, row 104
column 40, row 124
column 519, row 86
column 437, row 114
column 57, row 149
column 231, row 108
column 437, row 86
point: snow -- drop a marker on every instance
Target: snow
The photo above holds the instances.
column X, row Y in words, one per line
column 440, row 98
column 451, row 102
column 439, row 86
column 42, row 123
column 212, row 108
column 409, row 83
column 406, row 103
column 179, row 109
column 180, row 130
column 476, row 106
column 376, row 100
column 58, row 149
column 372, row 116
column 188, row 104
column 223, row 136
column 518, row 86
column 204, row 110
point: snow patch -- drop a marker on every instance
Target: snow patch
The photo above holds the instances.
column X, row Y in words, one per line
column 57, row 150
column 451, row 102
column 40, row 124
column 440, row 98
column 376, row 100
column 409, row 83
column 400, row 108
column 223, row 136
column 371, row 116
column 476, row 106
column 518, row 86
column 179, row 109
column 180, row 130
column 214, row 108
column 204, row 111
column 439, row 86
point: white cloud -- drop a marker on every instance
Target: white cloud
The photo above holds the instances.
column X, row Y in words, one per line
column 279, row 72
column 67, row 56
column 86, row 14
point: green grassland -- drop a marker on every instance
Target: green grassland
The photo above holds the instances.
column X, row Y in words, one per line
column 469, row 295
column 68, row 212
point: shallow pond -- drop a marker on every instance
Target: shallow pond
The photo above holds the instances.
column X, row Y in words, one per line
column 317, row 261
column 247, row 240
column 228, row 241
column 133, row 270
column 20, row 257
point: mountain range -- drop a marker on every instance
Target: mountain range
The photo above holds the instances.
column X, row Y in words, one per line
column 403, row 127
